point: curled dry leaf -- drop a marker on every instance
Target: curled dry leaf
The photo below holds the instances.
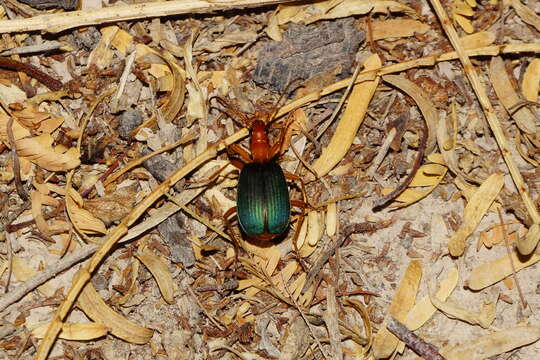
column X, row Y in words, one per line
column 508, row 96
column 93, row 305
column 70, row 331
column 429, row 175
column 397, row 28
column 526, row 14
column 484, row 318
column 114, row 206
column 83, row 219
column 159, row 271
column 349, row 123
column 493, row 344
column 39, row 149
column 531, row 81
column 475, row 210
column 424, row 103
column 228, row 39
column 496, row 270
column 385, row 342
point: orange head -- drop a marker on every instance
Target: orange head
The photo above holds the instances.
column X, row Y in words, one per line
column 259, row 143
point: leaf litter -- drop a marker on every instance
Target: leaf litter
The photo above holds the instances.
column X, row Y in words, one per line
column 356, row 266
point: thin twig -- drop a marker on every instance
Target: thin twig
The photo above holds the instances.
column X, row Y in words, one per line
column 10, row 262
column 413, row 341
column 304, row 316
column 16, row 164
column 46, row 274
column 401, row 187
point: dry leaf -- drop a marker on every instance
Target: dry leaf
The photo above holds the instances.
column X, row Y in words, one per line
column 477, row 40
column 531, row 81
column 496, row 270
column 114, row 206
column 159, row 270
column 452, row 309
column 385, row 342
column 499, row 342
column 228, row 39
column 424, row 309
column 508, row 96
column 331, row 219
column 93, row 305
column 526, row 14
column 39, row 149
column 82, row 219
column 102, row 54
column 397, row 28
column 422, row 99
column 475, row 210
column 349, row 123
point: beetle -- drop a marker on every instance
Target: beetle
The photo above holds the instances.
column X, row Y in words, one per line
column 263, row 204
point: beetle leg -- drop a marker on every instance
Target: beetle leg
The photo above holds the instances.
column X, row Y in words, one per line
column 232, row 234
column 293, row 177
column 284, row 138
column 236, row 149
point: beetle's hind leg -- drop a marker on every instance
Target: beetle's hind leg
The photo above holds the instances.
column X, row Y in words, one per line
column 234, row 239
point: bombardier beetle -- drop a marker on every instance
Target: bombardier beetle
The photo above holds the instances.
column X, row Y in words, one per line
column 263, row 206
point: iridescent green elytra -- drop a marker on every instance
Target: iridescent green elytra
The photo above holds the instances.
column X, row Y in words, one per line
column 263, row 204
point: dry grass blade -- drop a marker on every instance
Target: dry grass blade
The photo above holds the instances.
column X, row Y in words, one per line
column 62, row 21
column 117, row 233
column 78, row 331
column 525, row 245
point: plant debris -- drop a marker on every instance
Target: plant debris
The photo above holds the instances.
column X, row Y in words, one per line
column 410, row 130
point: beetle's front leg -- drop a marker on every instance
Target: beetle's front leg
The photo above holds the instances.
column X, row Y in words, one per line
column 236, row 149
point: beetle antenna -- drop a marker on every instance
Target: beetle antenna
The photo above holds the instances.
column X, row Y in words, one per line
column 285, row 92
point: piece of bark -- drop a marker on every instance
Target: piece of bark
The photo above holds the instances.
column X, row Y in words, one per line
column 307, row 51
column 52, row 4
